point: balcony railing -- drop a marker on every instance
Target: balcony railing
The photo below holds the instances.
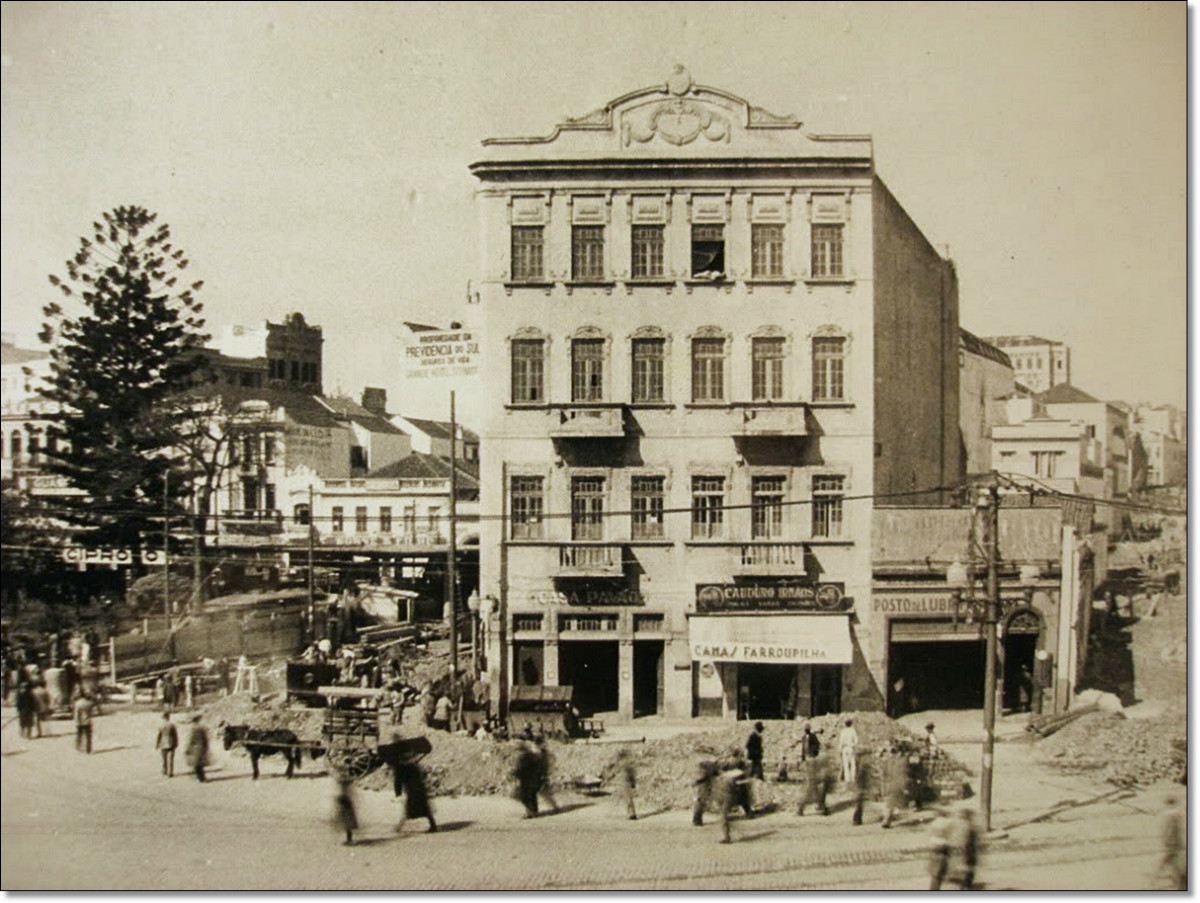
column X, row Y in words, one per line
column 770, row 559
column 590, row 561
column 770, row 420
column 584, row 423
column 252, row 521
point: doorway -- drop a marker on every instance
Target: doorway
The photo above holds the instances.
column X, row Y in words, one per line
column 591, row 668
column 764, row 690
column 647, row 677
column 528, row 661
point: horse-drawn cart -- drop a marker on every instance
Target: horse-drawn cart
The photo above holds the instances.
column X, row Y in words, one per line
column 351, row 729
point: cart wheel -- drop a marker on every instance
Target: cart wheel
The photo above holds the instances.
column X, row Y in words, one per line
column 354, row 762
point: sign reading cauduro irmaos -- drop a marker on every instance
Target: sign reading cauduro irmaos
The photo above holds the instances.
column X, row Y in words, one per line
column 770, row 597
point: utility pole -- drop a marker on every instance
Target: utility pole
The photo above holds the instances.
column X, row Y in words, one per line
column 197, row 576
column 312, row 586
column 452, row 559
column 167, row 549
column 990, row 503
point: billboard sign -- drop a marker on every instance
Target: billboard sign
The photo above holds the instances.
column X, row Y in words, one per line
column 437, row 354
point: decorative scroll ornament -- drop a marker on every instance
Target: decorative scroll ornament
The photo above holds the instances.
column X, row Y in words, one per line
column 679, row 122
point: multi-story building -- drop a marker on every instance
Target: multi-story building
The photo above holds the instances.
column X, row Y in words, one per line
column 26, row 418
column 1038, row 364
column 712, row 338
column 287, row 355
column 1163, row 432
column 985, row 381
column 1106, row 422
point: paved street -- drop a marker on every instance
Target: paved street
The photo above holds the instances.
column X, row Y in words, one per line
column 111, row 821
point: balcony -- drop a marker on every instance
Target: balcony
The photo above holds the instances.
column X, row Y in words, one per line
column 587, row 423
column 772, row 420
column 250, row 526
column 769, row 559
column 590, row 560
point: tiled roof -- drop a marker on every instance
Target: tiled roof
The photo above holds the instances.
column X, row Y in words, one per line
column 352, row 410
column 418, row 466
column 440, row 429
column 1065, row 393
column 976, row 345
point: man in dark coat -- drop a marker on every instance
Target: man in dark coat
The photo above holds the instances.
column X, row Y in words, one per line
column 527, row 772
column 408, row 777
column 754, row 751
column 197, row 749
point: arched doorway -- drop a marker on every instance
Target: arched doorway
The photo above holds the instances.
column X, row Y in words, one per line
column 1022, row 638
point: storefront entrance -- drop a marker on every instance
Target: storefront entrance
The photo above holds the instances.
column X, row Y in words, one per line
column 527, row 664
column 647, row 677
column 764, row 690
column 591, row 667
column 935, row 675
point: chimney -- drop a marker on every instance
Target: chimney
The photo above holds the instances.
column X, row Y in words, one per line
column 375, row 401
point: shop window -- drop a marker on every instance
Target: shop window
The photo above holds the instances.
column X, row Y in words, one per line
column 767, row 369
column 587, row 253
column 827, row 250
column 647, row 503
column 766, row 251
column 649, row 359
column 302, row 515
column 766, row 507
column 528, row 370
column 708, row 507
column 708, row 370
column 587, row 508
column 648, row 252
column 829, row 363
column 708, row 251
column 527, row 256
column 827, row 494
column 525, row 497
column 587, row 369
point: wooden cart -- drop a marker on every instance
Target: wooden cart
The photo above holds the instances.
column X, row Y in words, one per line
column 351, row 729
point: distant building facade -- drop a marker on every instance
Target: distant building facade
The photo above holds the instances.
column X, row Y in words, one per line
column 711, row 338
column 1163, row 432
column 1038, row 364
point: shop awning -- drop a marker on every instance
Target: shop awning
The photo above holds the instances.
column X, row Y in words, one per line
column 772, row 639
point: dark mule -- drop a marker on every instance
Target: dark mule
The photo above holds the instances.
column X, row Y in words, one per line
column 264, row 742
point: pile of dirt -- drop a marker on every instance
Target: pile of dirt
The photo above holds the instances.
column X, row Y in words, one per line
column 666, row 768
column 1119, row 750
column 268, row 713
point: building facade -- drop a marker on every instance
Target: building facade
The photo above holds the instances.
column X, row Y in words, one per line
column 712, row 339
column 1038, row 364
column 985, row 382
column 1163, row 432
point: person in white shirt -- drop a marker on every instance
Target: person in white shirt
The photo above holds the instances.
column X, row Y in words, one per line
column 847, row 745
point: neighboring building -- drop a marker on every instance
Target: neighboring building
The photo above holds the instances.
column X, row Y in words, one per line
column 1038, row 364
column 433, row 438
column 985, row 381
column 1105, row 421
column 711, row 338
column 287, row 355
column 927, row 573
column 1057, row 453
column 25, row 418
column 1163, row 432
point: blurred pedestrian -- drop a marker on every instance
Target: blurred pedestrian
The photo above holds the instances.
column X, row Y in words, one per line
column 627, row 782
column 847, row 747
column 1173, row 866
column 83, row 723
column 706, row 771
column 754, row 751
column 43, row 704
column 345, row 818
column 189, row 690
column 817, row 784
column 726, row 785
column 26, row 709
column 526, row 770
column 166, row 743
column 196, row 751
column 931, row 741
column 939, row 850
column 964, row 848
column 545, row 773
column 862, row 780
column 894, row 768
column 408, row 778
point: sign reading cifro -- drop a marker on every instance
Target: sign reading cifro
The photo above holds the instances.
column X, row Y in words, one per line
column 435, row 354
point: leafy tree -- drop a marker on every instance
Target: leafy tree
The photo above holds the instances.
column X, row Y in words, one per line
column 120, row 356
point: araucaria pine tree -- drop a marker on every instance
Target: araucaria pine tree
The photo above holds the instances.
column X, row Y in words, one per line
column 121, row 351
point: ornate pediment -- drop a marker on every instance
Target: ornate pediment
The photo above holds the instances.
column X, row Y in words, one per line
column 677, row 113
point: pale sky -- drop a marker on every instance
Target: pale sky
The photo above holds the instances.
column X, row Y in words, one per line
column 313, row 156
